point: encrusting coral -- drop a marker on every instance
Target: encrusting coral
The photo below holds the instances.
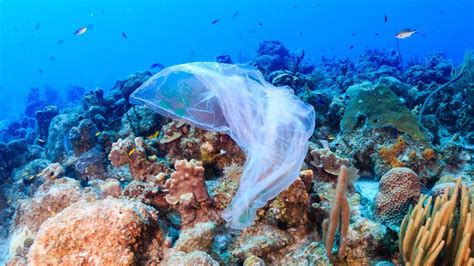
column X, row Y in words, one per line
column 134, row 154
column 105, row 232
column 389, row 154
column 439, row 233
column 327, row 160
column 339, row 217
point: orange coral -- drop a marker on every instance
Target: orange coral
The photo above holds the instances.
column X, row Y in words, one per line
column 429, row 154
column 389, row 154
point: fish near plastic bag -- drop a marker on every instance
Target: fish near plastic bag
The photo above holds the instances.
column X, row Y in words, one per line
column 270, row 124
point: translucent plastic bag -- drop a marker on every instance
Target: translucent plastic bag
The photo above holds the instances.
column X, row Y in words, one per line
column 270, row 124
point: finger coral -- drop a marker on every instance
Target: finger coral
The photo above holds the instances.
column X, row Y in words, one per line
column 188, row 192
column 439, row 233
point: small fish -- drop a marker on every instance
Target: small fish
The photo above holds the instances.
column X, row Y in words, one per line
column 154, row 135
column 405, row 33
column 82, row 30
column 214, row 21
column 353, row 34
column 124, row 35
column 331, row 137
column 301, row 33
column 157, row 65
column 323, row 198
column 240, row 37
column 38, row 26
column 41, row 141
column 60, row 42
column 385, row 18
column 260, row 24
column 51, row 58
column 294, row 6
column 40, row 71
column 376, row 34
column 132, row 152
column 98, row 133
column 352, row 46
column 236, row 14
column 16, row 29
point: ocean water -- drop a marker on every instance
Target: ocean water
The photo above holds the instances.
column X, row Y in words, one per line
column 306, row 146
column 173, row 32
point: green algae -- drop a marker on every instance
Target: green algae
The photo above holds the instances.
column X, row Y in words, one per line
column 382, row 108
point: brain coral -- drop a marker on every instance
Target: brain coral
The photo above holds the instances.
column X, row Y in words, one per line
column 398, row 189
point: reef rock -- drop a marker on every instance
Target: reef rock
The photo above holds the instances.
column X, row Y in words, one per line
column 199, row 237
column 189, row 259
column 43, row 120
column 57, row 145
column 105, row 232
column 51, row 198
column 134, row 153
column 261, row 240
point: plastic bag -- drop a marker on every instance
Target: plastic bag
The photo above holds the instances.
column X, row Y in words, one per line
column 270, row 124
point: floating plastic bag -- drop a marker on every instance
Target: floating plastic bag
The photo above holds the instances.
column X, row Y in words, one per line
column 270, row 124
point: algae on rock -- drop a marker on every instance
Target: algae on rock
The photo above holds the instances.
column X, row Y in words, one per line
column 381, row 107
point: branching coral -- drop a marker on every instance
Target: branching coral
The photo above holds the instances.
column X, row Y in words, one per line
column 188, row 192
column 441, row 233
column 339, row 217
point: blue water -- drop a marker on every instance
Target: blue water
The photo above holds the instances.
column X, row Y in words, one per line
column 177, row 31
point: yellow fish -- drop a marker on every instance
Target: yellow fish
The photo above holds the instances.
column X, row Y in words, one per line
column 154, row 135
column 98, row 133
column 131, row 152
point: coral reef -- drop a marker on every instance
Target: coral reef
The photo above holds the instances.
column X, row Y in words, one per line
column 89, row 178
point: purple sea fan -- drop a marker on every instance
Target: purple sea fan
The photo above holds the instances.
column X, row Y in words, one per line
column 270, row 124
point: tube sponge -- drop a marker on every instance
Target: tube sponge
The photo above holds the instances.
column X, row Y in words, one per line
column 270, row 124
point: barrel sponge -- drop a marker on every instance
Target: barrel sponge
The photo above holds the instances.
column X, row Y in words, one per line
column 398, row 189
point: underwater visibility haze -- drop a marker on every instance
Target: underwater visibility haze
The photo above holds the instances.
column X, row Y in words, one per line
column 292, row 132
